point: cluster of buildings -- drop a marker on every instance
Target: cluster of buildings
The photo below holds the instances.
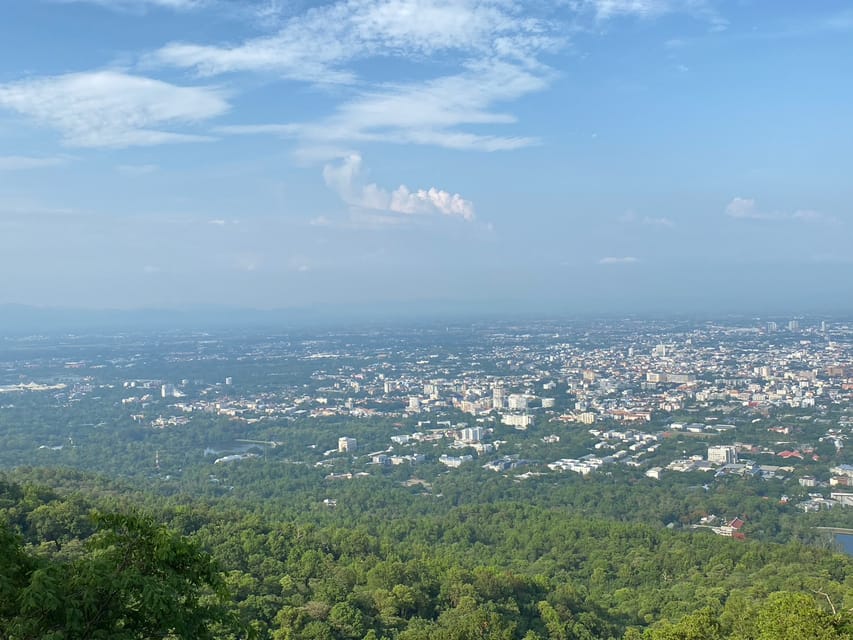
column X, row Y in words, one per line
column 627, row 386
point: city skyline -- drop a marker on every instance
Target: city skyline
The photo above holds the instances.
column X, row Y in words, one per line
column 585, row 155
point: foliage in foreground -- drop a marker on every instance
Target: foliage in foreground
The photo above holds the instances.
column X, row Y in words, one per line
column 504, row 571
column 130, row 579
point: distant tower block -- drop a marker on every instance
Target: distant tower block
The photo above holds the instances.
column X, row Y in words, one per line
column 346, row 445
column 722, row 454
column 498, row 397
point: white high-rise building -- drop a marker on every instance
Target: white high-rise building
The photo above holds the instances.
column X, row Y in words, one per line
column 471, row 435
column 519, row 421
column 517, row 402
column 722, row 454
column 346, row 445
column 498, row 397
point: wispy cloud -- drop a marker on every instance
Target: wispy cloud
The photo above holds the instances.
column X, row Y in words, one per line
column 344, row 177
column 426, row 113
column 618, row 260
column 658, row 222
column 18, row 163
column 315, row 45
column 137, row 169
column 631, row 217
column 746, row 208
column 609, row 9
column 498, row 43
column 112, row 109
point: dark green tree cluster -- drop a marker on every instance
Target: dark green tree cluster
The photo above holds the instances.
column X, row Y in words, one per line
column 783, row 614
column 508, row 571
column 129, row 580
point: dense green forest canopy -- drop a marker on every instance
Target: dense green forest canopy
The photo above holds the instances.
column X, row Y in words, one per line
column 84, row 563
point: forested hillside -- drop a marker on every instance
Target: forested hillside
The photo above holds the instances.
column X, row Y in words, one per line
column 83, row 562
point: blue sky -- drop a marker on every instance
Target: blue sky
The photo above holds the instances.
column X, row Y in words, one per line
column 616, row 155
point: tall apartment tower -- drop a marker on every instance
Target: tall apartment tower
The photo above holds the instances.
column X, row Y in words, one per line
column 498, row 396
column 346, row 445
column 722, row 454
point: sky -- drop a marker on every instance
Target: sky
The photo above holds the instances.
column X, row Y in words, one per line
column 570, row 155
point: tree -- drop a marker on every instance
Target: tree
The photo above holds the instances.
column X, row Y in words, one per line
column 134, row 580
column 795, row 616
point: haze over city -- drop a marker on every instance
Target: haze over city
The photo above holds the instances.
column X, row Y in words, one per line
column 582, row 155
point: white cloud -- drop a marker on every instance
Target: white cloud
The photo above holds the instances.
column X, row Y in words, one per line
column 428, row 201
column 658, row 222
column 426, row 113
column 112, row 109
column 603, row 10
column 344, row 178
column 320, row 221
column 615, row 260
column 631, row 217
column 746, row 208
column 313, row 46
column 219, row 222
column 497, row 42
column 742, row 208
column 808, row 215
column 606, row 9
column 17, row 163
column 417, row 111
column 249, row 261
column 137, row 169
